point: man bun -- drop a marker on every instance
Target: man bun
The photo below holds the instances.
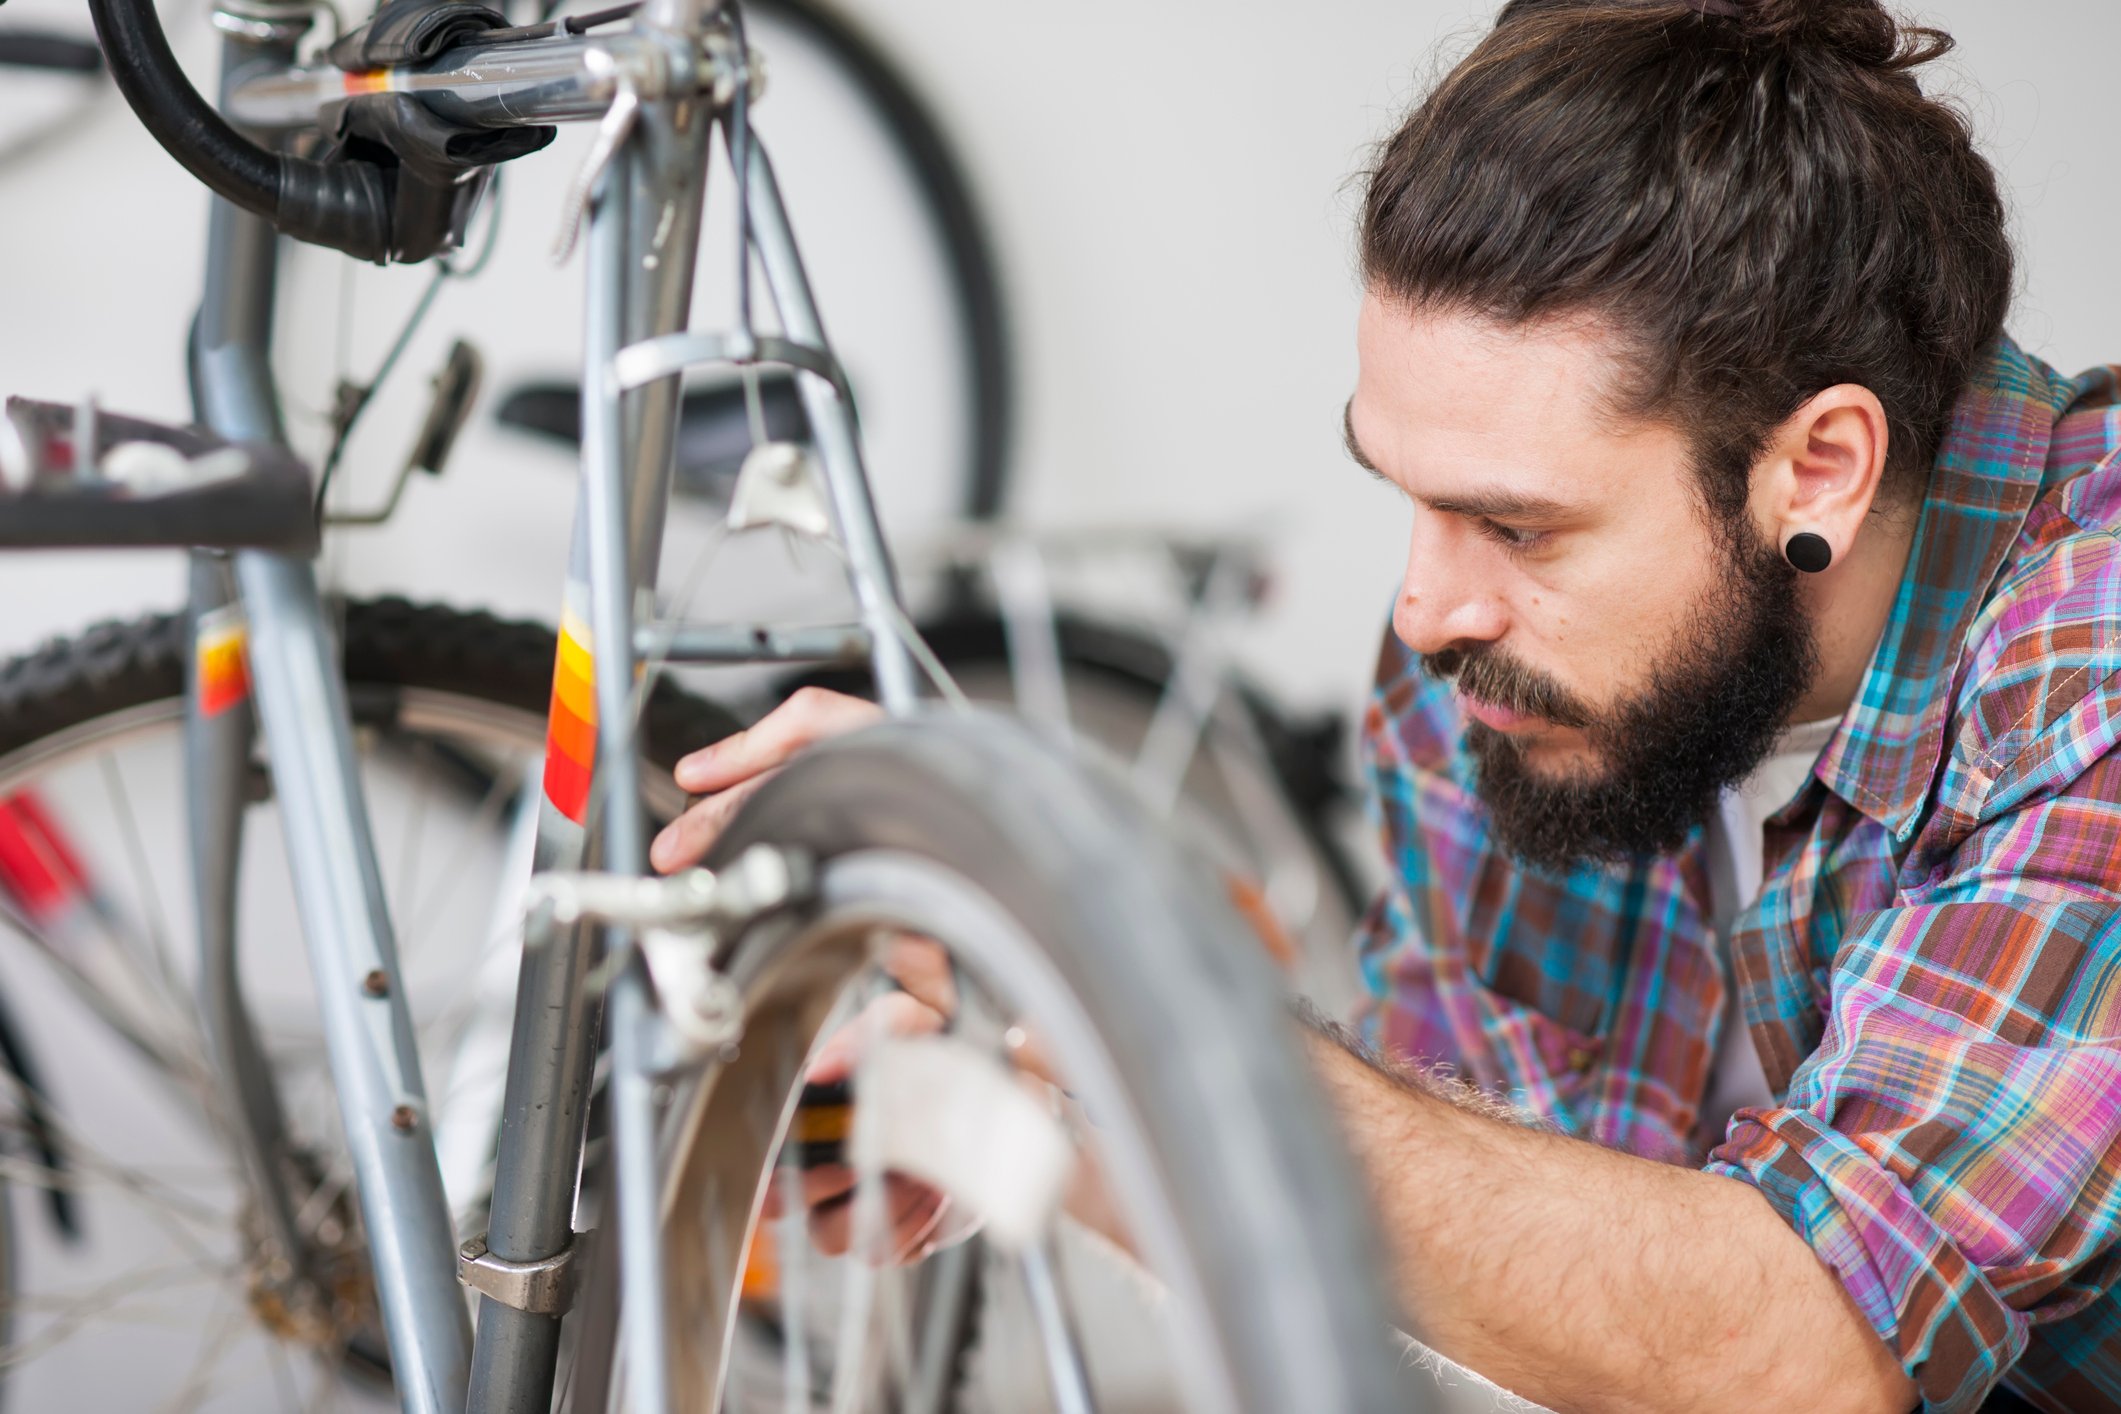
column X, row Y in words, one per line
column 1863, row 32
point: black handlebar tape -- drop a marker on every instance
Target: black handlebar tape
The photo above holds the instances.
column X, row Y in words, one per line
column 343, row 205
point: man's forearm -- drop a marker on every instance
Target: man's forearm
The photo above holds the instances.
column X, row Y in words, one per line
column 1587, row 1279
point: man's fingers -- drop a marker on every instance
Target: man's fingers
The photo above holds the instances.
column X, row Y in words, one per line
column 819, row 1184
column 685, row 841
column 909, row 1208
column 810, row 715
column 910, row 1238
column 922, row 968
column 731, row 769
column 825, row 1183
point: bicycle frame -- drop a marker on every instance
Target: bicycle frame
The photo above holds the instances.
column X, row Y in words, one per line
column 651, row 88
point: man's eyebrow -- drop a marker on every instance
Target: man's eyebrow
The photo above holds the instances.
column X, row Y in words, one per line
column 1347, row 436
column 1499, row 504
column 1495, row 504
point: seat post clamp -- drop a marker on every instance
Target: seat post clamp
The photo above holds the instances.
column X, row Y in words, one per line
column 544, row 1287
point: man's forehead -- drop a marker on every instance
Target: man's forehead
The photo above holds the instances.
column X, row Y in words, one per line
column 1495, row 497
column 1537, row 370
column 1444, row 397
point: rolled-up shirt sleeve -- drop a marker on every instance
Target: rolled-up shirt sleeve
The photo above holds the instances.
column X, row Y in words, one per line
column 1952, row 1148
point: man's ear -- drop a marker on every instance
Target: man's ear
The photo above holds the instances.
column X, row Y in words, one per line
column 1823, row 468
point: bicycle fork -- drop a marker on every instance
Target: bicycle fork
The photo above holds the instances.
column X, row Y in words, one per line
column 292, row 675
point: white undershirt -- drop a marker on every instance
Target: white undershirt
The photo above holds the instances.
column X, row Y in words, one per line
column 1736, row 847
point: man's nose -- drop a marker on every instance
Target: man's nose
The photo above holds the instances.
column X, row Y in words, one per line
column 1444, row 602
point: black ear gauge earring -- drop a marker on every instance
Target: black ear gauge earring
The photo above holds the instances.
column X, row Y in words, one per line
column 1808, row 551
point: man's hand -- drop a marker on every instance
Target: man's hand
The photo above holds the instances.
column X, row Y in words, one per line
column 913, row 1211
column 727, row 772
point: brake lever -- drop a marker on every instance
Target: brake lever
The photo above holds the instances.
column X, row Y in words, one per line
column 612, row 130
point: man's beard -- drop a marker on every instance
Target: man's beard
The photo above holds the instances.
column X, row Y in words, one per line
column 1710, row 715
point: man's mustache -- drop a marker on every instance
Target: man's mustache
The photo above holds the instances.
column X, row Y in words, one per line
column 1493, row 676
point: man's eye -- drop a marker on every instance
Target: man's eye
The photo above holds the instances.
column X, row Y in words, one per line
column 1509, row 537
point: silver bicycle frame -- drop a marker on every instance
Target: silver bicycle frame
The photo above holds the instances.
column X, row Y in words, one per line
column 643, row 230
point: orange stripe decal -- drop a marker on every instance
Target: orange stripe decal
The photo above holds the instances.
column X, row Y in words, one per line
column 570, row 733
column 222, row 660
column 571, row 730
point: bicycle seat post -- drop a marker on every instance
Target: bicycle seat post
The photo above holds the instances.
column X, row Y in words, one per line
column 644, row 212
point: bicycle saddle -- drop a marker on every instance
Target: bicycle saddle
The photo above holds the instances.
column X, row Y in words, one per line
column 714, row 429
column 80, row 476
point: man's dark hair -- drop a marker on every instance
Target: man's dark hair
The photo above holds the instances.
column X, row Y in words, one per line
column 1754, row 194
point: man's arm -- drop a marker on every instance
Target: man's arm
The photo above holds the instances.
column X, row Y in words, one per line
column 1588, row 1279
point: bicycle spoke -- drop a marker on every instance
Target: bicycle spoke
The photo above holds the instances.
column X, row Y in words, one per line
column 952, row 1275
column 414, row 828
column 866, row 1244
column 283, row 1377
column 143, row 876
column 506, row 787
column 157, row 1194
column 893, row 1315
column 96, row 992
column 1069, row 1382
column 69, row 1312
column 198, row 1383
column 792, row 1246
column 78, row 1177
column 324, row 1199
column 330, row 1385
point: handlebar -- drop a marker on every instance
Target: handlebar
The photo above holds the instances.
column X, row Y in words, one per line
column 343, row 205
column 484, row 84
column 479, row 84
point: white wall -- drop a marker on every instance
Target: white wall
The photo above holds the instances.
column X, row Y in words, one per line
column 1169, row 186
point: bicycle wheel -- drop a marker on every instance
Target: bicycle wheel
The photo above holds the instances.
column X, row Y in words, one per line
column 986, row 357
column 449, row 713
column 1070, row 921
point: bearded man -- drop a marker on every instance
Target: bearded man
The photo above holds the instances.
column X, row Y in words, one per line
column 1746, row 742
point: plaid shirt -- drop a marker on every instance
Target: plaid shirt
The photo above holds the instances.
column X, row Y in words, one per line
column 1932, row 971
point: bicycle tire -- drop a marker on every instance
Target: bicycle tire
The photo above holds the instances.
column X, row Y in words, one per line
column 385, row 644
column 1136, row 937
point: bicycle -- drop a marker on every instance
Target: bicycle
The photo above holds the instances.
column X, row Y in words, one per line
column 1065, row 918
